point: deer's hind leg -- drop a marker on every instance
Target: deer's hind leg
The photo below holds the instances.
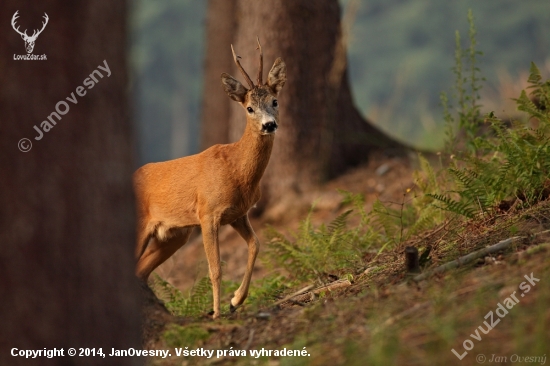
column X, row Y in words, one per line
column 158, row 251
column 243, row 227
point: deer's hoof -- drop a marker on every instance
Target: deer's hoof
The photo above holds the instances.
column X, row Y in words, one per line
column 232, row 308
column 213, row 314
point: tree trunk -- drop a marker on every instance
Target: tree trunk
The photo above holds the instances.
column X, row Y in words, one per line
column 220, row 26
column 67, row 206
column 321, row 132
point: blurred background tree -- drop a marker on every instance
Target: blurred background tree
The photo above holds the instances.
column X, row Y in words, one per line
column 167, row 58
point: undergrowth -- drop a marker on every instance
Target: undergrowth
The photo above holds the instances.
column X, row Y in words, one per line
column 196, row 303
column 508, row 163
column 325, row 251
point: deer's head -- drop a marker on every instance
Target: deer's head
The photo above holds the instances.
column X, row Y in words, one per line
column 29, row 40
column 260, row 100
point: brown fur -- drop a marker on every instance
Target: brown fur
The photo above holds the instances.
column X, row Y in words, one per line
column 213, row 188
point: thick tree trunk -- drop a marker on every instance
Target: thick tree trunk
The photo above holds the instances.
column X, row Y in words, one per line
column 220, row 27
column 67, row 207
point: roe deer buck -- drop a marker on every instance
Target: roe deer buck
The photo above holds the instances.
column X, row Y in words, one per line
column 213, row 188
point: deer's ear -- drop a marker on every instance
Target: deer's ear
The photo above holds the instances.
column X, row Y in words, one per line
column 233, row 88
column 277, row 76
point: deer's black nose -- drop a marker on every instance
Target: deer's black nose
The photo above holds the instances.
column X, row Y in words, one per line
column 269, row 127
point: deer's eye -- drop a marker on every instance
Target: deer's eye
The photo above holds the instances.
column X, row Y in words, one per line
column 250, row 110
column 275, row 103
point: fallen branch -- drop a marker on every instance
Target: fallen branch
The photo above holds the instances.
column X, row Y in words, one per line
column 299, row 292
column 310, row 296
column 541, row 232
column 300, row 296
column 470, row 257
column 332, row 286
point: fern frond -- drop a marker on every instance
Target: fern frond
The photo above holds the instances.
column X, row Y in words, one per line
column 457, row 207
column 339, row 223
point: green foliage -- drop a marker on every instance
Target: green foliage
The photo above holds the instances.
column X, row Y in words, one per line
column 428, row 213
column 453, row 206
column 498, row 162
column 466, row 92
column 508, row 162
column 338, row 249
column 265, row 291
column 388, row 218
column 540, row 93
column 198, row 302
column 315, row 252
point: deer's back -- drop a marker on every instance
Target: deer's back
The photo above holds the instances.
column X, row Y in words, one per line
column 177, row 192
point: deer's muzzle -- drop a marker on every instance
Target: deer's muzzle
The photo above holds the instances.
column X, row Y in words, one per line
column 269, row 127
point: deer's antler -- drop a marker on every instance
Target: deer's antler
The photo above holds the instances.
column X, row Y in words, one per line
column 236, row 58
column 35, row 34
column 260, row 70
column 13, row 19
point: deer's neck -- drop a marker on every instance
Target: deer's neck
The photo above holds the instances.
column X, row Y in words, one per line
column 255, row 153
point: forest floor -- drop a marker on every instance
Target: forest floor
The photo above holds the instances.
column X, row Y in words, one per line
column 492, row 310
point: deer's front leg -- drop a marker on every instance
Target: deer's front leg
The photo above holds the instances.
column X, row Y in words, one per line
column 210, row 228
column 243, row 227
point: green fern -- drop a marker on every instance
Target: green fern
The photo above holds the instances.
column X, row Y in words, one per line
column 266, row 290
column 390, row 220
column 198, row 302
column 509, row 162
column 451, row 205
column 200, row 299
column 499, row 162
column 315, row 252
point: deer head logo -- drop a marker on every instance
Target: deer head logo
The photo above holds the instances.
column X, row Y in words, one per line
column 29, row 40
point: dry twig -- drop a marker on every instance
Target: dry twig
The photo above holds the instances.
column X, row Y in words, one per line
column 300, row 297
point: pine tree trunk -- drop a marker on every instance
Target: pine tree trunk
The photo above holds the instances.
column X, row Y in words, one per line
column 67, row 206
